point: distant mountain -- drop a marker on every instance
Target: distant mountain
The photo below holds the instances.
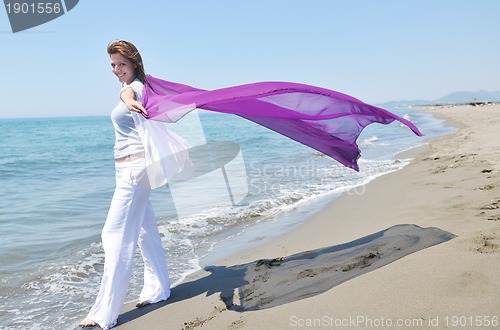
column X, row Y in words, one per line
column 465, row 97
column 453, row 98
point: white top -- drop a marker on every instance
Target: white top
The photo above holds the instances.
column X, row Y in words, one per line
column 166, row 153
column 127, row 138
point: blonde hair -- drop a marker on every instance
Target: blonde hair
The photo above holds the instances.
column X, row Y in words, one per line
column 128, row 50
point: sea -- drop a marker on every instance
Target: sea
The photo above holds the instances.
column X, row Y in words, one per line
column 57, row 180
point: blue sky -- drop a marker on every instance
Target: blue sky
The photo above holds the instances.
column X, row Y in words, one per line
column 376, row 51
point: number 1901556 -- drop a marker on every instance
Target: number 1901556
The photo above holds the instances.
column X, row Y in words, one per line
column 470, row 321
column 32, row 8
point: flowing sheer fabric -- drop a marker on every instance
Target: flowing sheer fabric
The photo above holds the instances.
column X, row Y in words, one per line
column 323, row 119
column 166, row 153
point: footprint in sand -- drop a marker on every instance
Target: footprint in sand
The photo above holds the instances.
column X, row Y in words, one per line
column 487, row 187
column 494, row 217
column 491, row 206
column 488, row 244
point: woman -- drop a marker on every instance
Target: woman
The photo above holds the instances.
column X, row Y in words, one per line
column 130, row 221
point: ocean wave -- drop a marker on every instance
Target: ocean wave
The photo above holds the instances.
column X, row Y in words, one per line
column 369, row 141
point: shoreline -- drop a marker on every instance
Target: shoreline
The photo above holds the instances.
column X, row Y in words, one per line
column 451, row 184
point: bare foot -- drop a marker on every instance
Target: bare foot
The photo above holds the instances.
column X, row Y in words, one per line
column 87, row 323
column 142, row 304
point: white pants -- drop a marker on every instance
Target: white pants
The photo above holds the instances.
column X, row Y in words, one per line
column 130, row 222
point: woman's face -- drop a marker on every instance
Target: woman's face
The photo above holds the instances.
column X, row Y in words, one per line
column 123, row 68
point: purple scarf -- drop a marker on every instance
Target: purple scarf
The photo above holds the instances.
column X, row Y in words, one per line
column 325, row 120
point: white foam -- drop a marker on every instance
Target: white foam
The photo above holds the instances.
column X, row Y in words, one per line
column 369, row 141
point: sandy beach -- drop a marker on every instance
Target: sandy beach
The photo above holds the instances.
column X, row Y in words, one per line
column 418, row 248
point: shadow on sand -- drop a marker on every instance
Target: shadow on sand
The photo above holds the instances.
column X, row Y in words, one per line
column 267, row 283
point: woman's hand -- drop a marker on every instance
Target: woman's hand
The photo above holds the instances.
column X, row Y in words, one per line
column 128, row 97
column 136, row 106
